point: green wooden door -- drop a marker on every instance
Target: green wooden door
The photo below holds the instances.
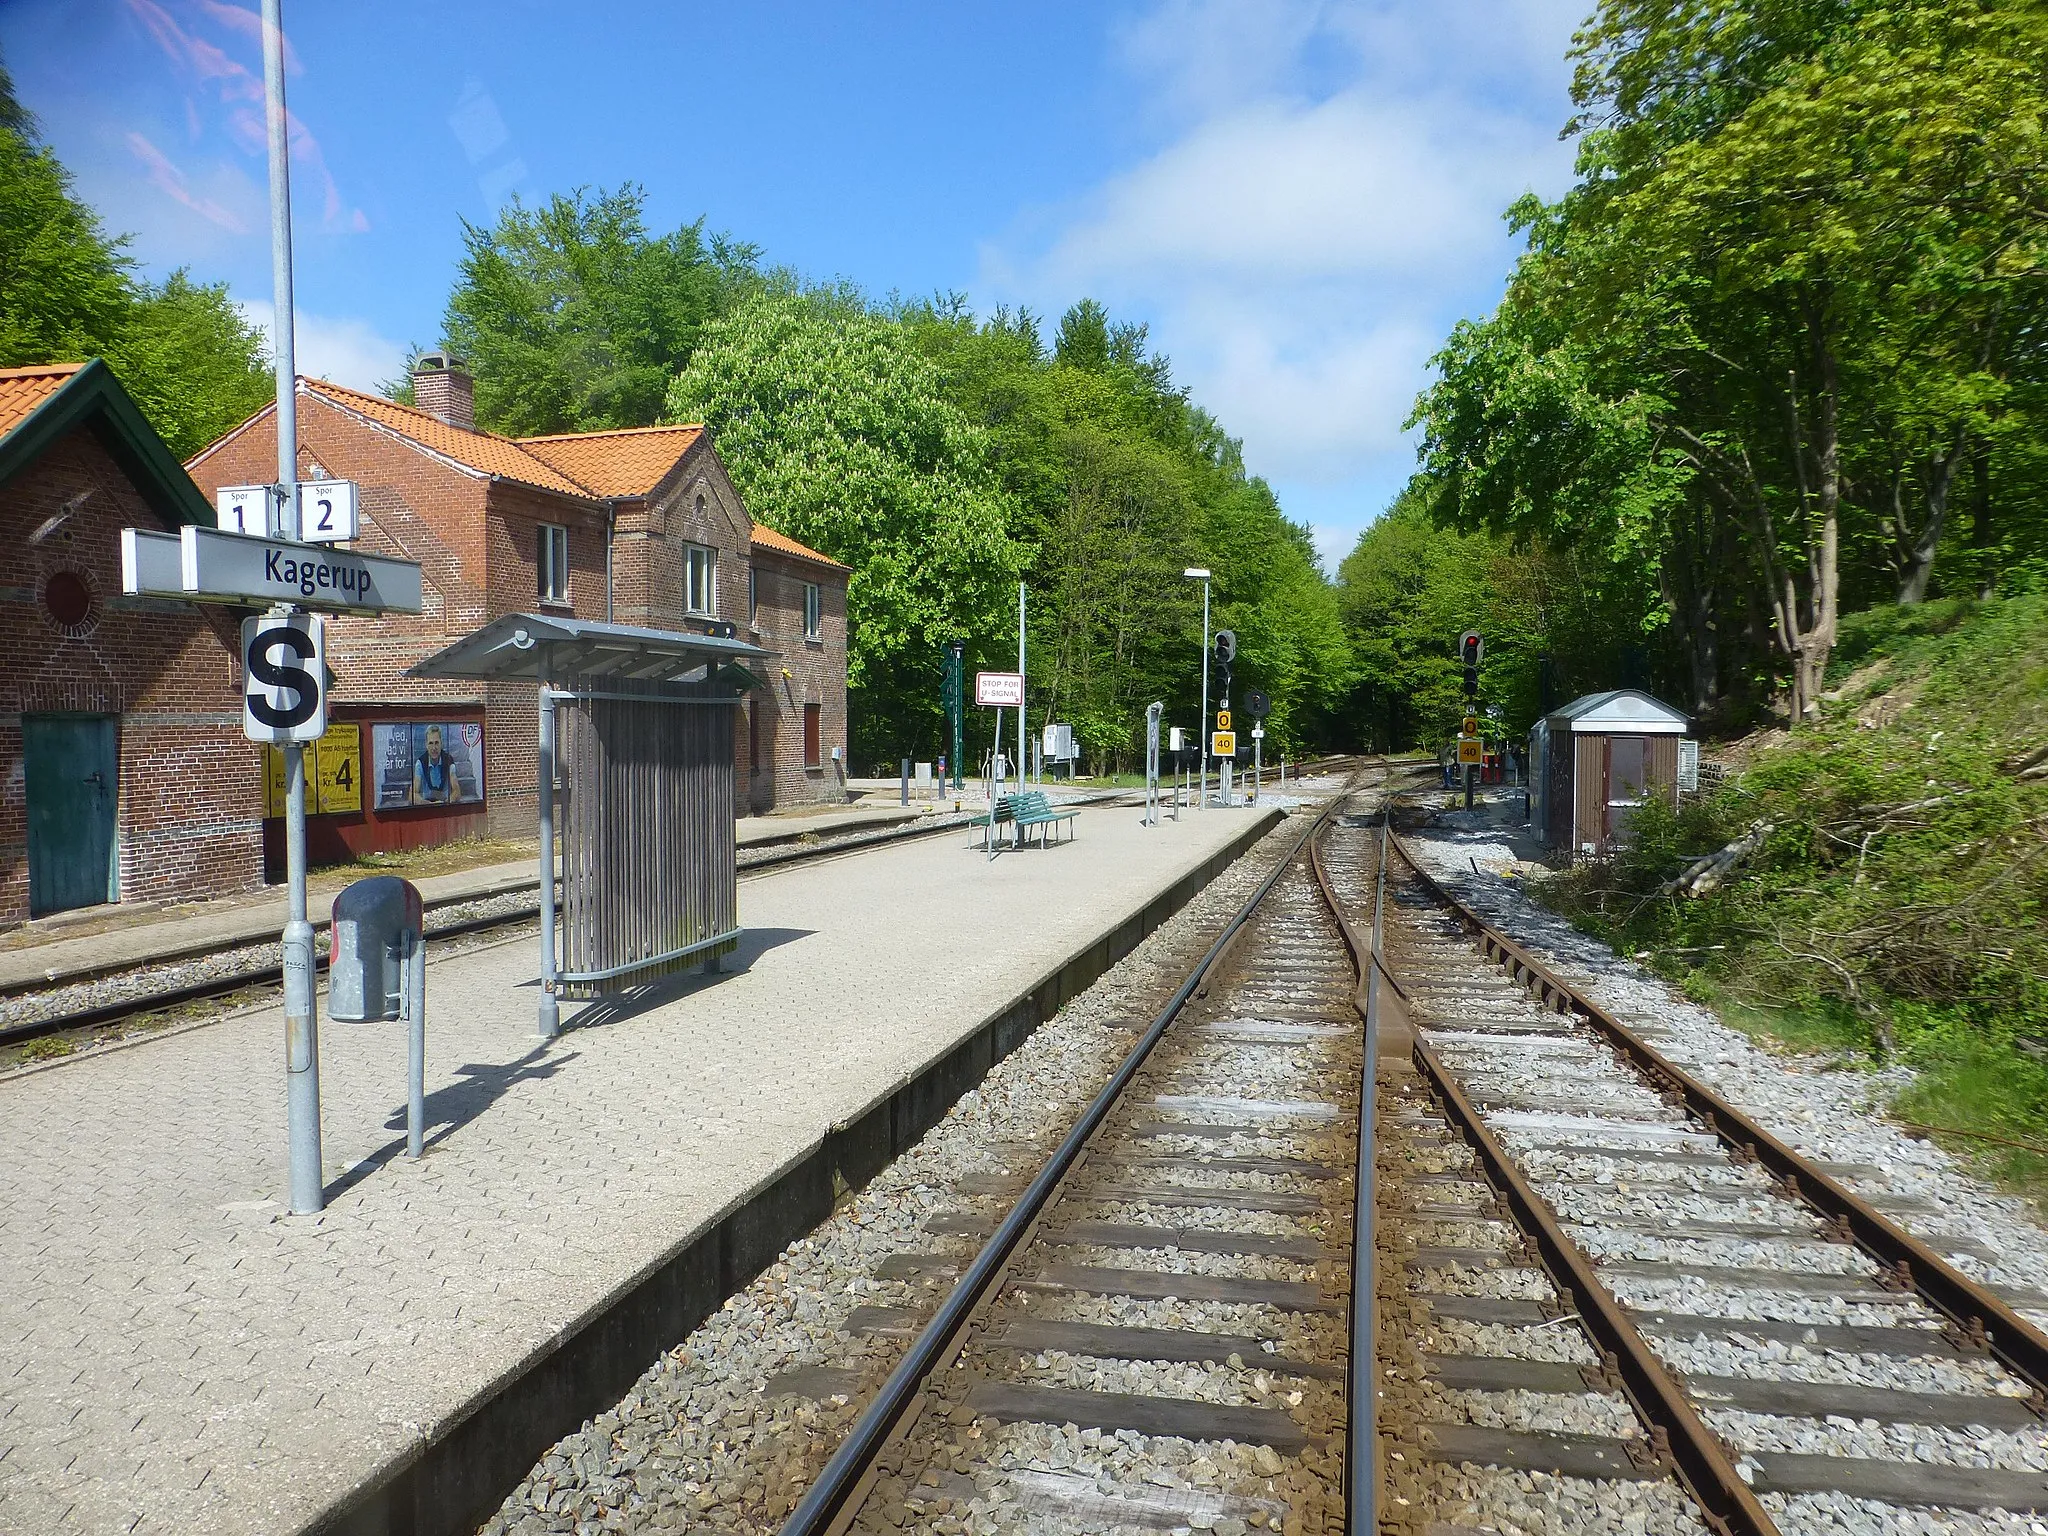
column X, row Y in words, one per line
column 72, row 766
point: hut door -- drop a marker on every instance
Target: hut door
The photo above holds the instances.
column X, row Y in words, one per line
column 1628, row 767
column 71, row 766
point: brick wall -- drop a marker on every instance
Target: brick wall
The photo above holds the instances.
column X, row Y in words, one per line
column 477, row 544
column 189, row 798
column 803, row 672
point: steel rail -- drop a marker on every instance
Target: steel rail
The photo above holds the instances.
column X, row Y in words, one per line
column 836, row 1493
column 1362, row 1465
column 102, row 1014
column 1977, row 1316
column 1695, row 1451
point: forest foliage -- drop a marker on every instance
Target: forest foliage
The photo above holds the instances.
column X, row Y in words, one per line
column 1776, row 356
column 70, row 292
column 943, row 456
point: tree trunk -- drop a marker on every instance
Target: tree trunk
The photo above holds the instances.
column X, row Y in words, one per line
column 1918, row 567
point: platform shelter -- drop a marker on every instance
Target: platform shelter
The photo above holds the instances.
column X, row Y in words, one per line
column 1595, row 760
column 636, row 775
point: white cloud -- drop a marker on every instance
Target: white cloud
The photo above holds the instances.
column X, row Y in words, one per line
column 342, row 350
column 1322, row 202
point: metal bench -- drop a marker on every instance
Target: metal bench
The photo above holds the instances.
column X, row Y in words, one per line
column 1032, row 809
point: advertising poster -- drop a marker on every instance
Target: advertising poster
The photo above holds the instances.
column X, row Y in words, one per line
column 428, row 762
column 334, row 774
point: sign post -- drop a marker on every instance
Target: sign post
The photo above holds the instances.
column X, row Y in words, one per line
column 998, row 691
column 1152, row 714
column 1471, row 647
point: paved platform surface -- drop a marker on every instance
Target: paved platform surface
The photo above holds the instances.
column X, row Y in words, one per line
column 179, row 1355
column 37, row 954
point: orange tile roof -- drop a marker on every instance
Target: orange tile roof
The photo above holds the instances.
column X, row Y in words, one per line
column 485, row 452
column 768, row 538
column 630, row 462
column 23, row 389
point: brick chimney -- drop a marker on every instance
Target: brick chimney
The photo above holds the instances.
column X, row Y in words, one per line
column 442, row 386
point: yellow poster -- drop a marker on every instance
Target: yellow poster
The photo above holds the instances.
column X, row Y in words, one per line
column 339, row 770
column 334, row 774
column 273, row 782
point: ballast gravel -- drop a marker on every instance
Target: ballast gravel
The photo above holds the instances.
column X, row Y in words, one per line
column 1807, row 1101
column 702, row 1442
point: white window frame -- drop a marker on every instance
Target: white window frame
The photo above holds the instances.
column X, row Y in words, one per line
column 692, row 554
column 551, row 561
column 814, row 611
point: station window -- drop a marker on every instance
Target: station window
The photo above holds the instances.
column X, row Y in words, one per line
column 552, row 563
column 753, row 598
column 814, row 612
column 700, row 580
column 813, row 743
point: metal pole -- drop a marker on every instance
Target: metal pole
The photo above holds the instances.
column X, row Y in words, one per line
column 1022, row 760
column 550, row 1008
column 301, row 1023
column 1202, row 725
column 416, row 1049
column 906, row 781
column 959, row 717
column 1469, row 771
column 1258, row 763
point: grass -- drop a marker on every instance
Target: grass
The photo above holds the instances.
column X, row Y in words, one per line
column 441, row 859
column 1897, row 911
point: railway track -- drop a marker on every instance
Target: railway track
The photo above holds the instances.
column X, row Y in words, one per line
column 253, row 981
column 1613, row 1302
column 1149, row 1331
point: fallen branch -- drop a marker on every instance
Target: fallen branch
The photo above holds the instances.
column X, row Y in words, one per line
column 2027, row 765
column 1704, row 875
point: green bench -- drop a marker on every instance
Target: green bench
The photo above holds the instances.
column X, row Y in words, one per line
column 1024, row 811
column 1034, row 810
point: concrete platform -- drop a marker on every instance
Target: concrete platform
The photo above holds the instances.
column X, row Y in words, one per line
column 48, row 952
column 178, row 1355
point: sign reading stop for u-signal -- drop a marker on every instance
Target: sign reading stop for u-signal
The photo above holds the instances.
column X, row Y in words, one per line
column 1223, row 743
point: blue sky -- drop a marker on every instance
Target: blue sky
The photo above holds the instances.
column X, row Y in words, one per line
column 1298, row 198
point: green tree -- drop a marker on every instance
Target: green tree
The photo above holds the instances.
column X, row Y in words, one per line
column 68, row 291
column 193, row 362
column 575, row 318
column 65, row 285
column 1788, row 309
column 838, row 433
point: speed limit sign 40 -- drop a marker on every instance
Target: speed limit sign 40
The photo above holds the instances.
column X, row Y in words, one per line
column 284, row 672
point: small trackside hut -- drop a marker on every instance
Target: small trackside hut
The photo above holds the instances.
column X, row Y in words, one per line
column 1594, row 761
column 636, row 769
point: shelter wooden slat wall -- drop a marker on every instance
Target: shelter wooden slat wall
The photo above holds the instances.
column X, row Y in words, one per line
column 647, row 813
column 1661, row 762
column 1589, row 793
column 1557, row 791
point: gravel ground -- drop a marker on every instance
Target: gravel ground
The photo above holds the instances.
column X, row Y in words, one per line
column 1625, row 1210
column 1810, row 1103
column 702, row 1444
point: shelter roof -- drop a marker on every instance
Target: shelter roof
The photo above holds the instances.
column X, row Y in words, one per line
column 1625, row 710
column 39, row 405
column 526, row 645
column 782, row 543
column 630, row 462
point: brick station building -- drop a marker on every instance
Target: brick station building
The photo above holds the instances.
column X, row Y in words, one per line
column 126, row 774
column 639, row 527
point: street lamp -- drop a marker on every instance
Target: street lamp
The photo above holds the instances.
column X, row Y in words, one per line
column 1201, row 573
